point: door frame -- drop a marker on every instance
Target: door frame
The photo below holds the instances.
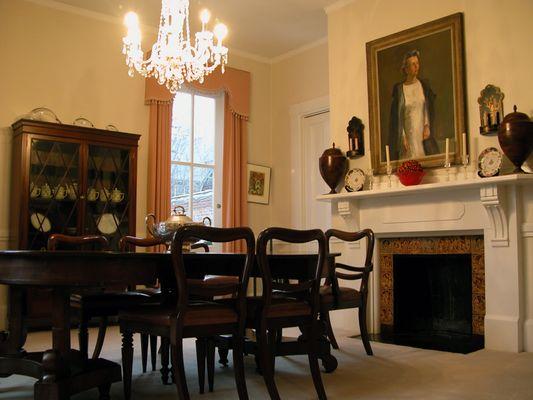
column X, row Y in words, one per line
column 297, row 112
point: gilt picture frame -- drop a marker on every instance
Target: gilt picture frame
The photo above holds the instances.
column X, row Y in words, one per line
column 416, row 93
column 258, row 184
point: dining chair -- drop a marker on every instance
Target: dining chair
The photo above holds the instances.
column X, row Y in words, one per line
column 335, row 297
column 284, row 305
column 129, row 243
column 94, row 303
column 193, row 318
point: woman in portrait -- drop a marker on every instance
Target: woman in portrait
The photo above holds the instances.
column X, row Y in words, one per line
column 411, row 133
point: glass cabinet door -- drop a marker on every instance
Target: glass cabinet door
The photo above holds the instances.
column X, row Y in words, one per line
column 108, row 200
column 54, row 192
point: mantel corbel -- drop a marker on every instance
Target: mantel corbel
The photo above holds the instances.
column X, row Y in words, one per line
column 493, row 199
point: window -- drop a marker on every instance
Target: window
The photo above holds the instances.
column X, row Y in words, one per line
column 196, row 149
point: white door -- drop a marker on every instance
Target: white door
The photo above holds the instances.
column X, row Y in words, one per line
column 315, row 139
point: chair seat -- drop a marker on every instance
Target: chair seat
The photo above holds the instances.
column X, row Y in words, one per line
column 280, row 307
column 347, row 298
column 108, row 300
column 200, row 313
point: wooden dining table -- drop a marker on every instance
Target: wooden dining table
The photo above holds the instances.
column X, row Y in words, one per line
column 62, row 371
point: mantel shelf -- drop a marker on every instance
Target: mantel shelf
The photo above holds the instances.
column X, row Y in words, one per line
column 514, row 179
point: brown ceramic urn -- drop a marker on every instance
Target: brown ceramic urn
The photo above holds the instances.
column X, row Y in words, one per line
column 332, row 165
column 516, row 138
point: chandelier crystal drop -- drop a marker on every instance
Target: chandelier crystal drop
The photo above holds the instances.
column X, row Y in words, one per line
column 173, row 59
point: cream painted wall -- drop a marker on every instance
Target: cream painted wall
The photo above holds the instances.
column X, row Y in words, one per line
column 497, row 36
column 300, row 78
column 72, row 63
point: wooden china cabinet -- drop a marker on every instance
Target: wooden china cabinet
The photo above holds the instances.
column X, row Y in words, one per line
column 73, row 180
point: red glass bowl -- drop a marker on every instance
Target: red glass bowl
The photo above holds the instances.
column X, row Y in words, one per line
column 411, row 178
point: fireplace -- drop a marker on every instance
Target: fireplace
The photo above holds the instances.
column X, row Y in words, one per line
column 432, row 292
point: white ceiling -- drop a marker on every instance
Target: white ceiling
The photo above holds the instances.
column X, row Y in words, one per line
column 265, row 28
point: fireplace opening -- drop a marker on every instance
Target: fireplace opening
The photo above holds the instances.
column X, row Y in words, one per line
column 433, row 302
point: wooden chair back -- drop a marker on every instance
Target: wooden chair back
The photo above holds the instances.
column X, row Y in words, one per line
column 307, row 289
column 79, row 242
column 353, row 273
column 198, row 287
column 129, row 243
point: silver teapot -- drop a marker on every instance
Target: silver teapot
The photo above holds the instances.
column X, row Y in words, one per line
column 166, row 229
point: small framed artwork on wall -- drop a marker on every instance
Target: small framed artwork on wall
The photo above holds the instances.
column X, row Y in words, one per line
column 258, row 184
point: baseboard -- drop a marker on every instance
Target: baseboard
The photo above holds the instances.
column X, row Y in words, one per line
column 528, row 335
column 503, row 333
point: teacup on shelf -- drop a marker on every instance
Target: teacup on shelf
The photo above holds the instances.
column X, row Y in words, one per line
column 105, row 195
column 92, row 194
column 46, row 191
column 72, row 191
column 34, row 191
column 117, row 196
column 59, row 192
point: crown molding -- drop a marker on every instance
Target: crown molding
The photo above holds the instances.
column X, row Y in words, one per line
column 250, row 56
column 299, row 50
column 119, row 21
column 335, row 6
column 87, row 13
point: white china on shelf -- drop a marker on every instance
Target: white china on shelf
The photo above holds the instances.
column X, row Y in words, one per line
column 43, row 114
column 117, row 196
column 34, row 191
column 107, row 223
column 83, row 122
column 40, row 222
column 72, row 191
column 354, row 180
column 46, row 191
column 60, row 192
column 92, row 194
column 105, row 195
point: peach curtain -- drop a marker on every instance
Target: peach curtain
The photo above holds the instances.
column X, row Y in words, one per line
column 236, row 86
column 159, row 158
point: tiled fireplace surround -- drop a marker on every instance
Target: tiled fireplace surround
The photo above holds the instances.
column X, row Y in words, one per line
column 489, row 208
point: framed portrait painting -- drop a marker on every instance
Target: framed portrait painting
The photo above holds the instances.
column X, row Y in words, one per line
column 416, row 91
column 258, row 184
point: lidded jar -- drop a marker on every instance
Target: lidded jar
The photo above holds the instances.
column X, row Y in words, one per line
column 516, row 138
column 332, row 164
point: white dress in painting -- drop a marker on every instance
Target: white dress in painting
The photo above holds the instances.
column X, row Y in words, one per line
column 415, row 117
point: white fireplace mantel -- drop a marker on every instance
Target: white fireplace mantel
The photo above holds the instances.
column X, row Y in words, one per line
column 488, row 206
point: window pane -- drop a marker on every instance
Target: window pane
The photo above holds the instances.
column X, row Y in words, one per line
column 204, row 130
column 181, row 127
column 202, row 193
column 179, row 186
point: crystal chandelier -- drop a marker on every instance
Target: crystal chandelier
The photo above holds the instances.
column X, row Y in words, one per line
column 173, row 59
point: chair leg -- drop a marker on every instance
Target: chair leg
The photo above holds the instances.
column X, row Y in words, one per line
column 210, row 348
column 144, row 351
column 238, row 365
column 324, row 316
column 265, row 359
column 101, row 336
column 127, row 361
column 165, row 347
column 179, row 370
column 364, row 331
column 313, row 362
column 200, row 362
column 153, row 351
column 83, row 336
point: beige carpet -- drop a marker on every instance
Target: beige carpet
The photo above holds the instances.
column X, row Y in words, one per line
column 394, row 372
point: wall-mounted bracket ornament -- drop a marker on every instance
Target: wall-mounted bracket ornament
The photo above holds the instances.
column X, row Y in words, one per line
column 490, row 109
column 355, row 138
column 493, row 200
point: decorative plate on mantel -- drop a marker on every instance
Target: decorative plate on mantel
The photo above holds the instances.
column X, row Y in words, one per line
column 489, row 162
column 354, row 180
